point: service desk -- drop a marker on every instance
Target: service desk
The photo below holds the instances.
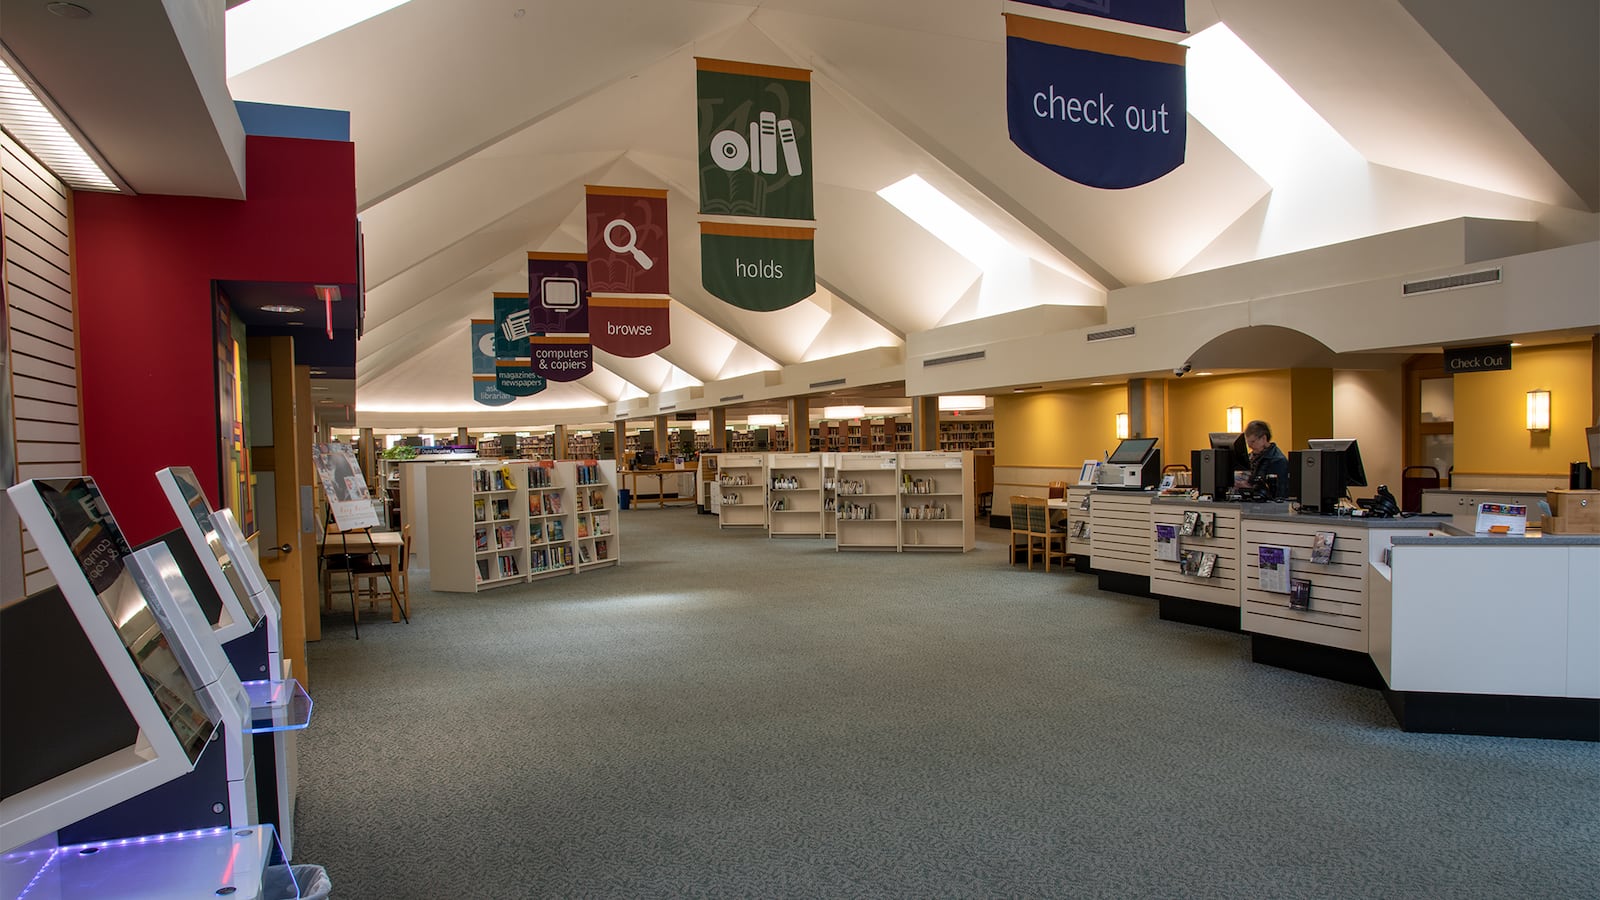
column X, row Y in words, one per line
column 681, row 481
column 1490, row 634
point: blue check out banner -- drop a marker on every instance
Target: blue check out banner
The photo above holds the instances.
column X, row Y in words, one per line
column 1103, row 109
column 1167, row 14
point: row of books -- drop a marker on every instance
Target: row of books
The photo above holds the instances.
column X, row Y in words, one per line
column 600, row 553
column 493, row 480
column 504, row 538
column 547, row 532
column 497, row 567
column 591, row 499
column 588, row 474
column 599, row 524
column 550, row 559
column 491, row 509
column 545, row 504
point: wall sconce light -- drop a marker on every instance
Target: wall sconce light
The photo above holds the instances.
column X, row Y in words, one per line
column 1122, row 426
column 1538, row 410
column 962, row 402
column 1235, row 418
column 844, row 412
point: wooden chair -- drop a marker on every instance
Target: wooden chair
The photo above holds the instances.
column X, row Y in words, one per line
column 368, row 576
column 1019, row 527
column 1052, row 544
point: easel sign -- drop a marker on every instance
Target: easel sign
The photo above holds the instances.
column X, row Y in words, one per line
column 344, row 485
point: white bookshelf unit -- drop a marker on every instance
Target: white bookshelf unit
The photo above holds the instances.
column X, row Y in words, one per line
column 830, row 499
column 868, row 501
column 936, row 511
column 595, row 517
column 479, row 536
column 742, row 481
column 794, row 498
column 550, row 503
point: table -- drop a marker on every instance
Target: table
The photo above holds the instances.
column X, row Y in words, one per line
column 385, row 544
column 630, row 479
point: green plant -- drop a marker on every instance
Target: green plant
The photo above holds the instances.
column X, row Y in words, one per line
column 400, row 451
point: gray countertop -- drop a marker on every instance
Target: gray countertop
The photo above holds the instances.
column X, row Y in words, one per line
column 1283, row 512
column 1491, row 540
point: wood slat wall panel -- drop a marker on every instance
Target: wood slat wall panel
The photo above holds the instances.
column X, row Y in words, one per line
column 35, row 240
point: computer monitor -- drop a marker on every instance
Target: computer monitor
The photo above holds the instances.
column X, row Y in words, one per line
column 1231, row 442
column 1131, row 451
column 1350, row 458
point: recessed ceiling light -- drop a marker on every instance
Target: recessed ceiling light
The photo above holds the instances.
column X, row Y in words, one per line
column 69, row 10
column 281, row 308
column 1198, row 374
column 294, row 323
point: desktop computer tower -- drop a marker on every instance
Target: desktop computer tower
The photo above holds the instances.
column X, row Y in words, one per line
column 1213, row 472
column 1316, row 477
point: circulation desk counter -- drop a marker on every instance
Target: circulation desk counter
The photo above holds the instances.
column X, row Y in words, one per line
column 1490, row 635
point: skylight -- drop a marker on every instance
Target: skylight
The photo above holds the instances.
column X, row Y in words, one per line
column 947, row 221
column 1251, row 109
column 263, row 30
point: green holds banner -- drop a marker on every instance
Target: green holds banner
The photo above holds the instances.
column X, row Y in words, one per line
column 513, row 367
column 755, row 140
column 758, row 267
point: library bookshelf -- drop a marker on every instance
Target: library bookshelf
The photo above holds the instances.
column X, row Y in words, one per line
column 936, row 511
column 795, row 495
column 868, row 493
column 742, row 481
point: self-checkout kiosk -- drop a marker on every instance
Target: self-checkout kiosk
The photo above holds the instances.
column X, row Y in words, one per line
column 124, row 750
column 227, row 569
column 1135, row 465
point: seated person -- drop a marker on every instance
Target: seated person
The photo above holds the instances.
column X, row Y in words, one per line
column 1269, row 468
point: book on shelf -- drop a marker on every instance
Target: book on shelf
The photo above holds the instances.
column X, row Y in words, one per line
column 480, row 539
column 557, row 530
column 483, row 570
column 506, row 536
column 1299, row 593
column 535, row 532
column 552, row 503
column 502, row 508
column 597, row 499
column 583, row 525
column 538, row 561
column 1167, row 543
column 583, row 554
column 601, row 550
column 508, row 566
column 602, row 524
column 480, row 510
column 1322, row 547
column 1274, row 571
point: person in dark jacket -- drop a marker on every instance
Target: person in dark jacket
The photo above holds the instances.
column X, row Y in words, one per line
column 1269, row 468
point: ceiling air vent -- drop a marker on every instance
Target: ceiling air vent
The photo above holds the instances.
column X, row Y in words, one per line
column 1112, row 333
column 822, row 384
column 731, row 399
column 1450, row 282
column 959, row 357
column 668, row 408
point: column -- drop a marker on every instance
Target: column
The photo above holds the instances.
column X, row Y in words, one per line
column 558, row 442
column 924, row 423
column 799, row 424
column 661, row 438
column 719, row 428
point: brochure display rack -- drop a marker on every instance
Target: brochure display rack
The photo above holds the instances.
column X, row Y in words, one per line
column 868, row 501
column 1207, row 564
column 795, row 495
column 936, row 511
column 742, row 481
column 1080, row 501
column 1332, row 608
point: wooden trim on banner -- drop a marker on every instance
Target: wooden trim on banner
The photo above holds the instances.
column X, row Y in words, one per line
column 545, row 340
column 730, row 67
column 481, row 321
column 1076, row 37
column 558, row 257
column 630, row 302
column 521, row 362
column 782, row 232
column 509, row 295
column 601, row 190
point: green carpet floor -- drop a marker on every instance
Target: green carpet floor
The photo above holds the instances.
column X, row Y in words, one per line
column 728, row 715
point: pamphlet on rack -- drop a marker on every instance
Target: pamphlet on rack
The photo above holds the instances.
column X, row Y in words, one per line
column 1274, row 562
column 1167, row 543
column 1322, row 547
column 1502, row 518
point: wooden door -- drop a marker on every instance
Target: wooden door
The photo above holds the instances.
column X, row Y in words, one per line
column 284, row 548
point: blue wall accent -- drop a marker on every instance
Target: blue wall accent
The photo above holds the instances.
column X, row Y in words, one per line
column 274, row 120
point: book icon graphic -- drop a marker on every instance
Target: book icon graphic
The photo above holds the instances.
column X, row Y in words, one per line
column 791, row 149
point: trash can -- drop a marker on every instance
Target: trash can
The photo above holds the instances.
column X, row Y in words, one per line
column 304, row 882
column 624, row 497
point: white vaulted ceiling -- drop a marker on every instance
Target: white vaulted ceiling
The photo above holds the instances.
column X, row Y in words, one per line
column 478, row 122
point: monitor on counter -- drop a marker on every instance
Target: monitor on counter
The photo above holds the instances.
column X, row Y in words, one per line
column 1354, row 475
column 1232, row 442
column 1132, row 451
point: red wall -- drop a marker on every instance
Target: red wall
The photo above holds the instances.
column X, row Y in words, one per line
column 145, row 265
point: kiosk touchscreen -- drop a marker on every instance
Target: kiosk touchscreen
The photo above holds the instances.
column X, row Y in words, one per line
column 242, row 609
column 172, row 693
column 1135, row 464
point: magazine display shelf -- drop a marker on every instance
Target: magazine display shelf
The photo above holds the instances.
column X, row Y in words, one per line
column 795, row 495
column 550, row 533
column 595, row 519
column 1222, row 586
column 936, row 511
column 742, row 482
column 476, row 524
column 1079, row 526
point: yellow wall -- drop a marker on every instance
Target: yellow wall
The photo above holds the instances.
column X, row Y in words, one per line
column 1312, row 393
column 1198, row 406
column 1057, row 428
column 1491, row 435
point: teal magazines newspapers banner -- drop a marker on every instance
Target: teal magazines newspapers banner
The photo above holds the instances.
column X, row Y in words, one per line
column 483, row 389
column 758, row 267
column 1103, row 109
column 513, row 369
column 755, row 139
column 1165, row 14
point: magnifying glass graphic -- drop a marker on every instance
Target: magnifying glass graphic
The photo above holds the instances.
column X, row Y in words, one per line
column 631, row 245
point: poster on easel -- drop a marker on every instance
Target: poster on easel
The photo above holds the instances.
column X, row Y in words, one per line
column 344, row 485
